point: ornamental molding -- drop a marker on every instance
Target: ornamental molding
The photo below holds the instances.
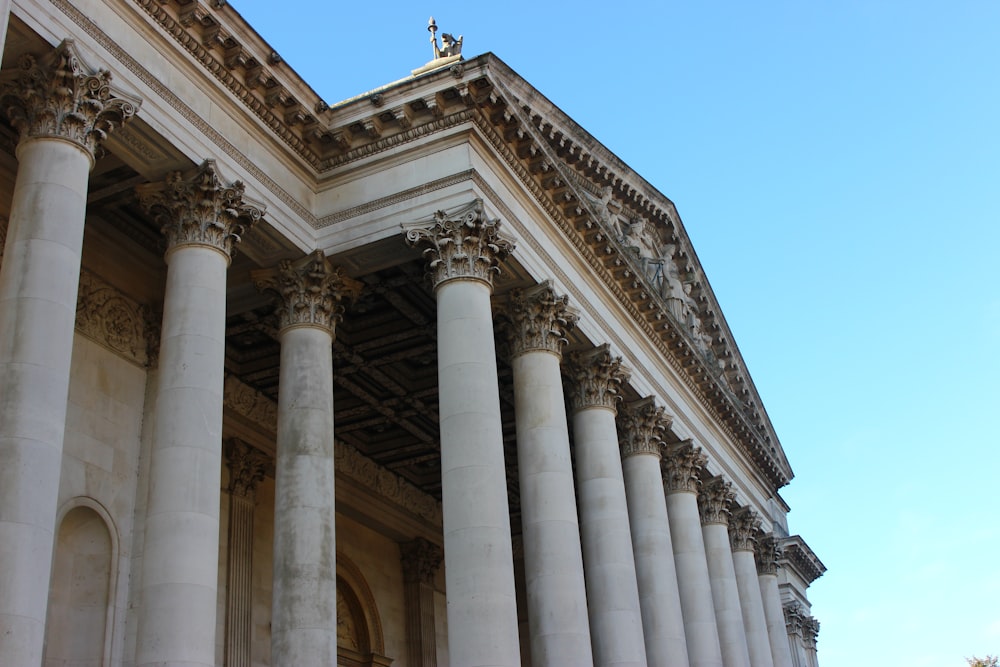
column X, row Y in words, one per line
column 462, row 245
column 715, row 501
column 595, row 378
column 681, row 466
column 57, row 95
column 799, row 558
column 310, row 291
column 197, row 208
column 247, row 402
column 358, row 467
column 536, row 319
column 795, row 617
column 744, row 527
column 768, row 555
column 247, row 467
column 641, row 427
column 108, row 317
column 421, row 560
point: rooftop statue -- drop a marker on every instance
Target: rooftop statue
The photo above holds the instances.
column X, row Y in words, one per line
column 449, row 45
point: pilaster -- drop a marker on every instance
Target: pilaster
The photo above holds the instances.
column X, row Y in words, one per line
column 246, row 469
column 420, row 561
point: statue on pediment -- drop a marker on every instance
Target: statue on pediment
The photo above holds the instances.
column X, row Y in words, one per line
column 449, row 45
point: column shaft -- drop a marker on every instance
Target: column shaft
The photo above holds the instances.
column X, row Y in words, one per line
column 304, row 607
column 777, row 636
column 479, row 571
column 38, row 285
column 753, row 609
column 725, row 596
column 180, row 562
column 612, row 592
column 557, row 598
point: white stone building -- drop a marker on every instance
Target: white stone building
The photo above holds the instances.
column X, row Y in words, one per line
column 425, row 377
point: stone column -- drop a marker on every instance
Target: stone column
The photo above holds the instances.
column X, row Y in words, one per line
column 641, row 427
column 4, row 22
column 810, row 633
column 681, row 463
column 595, row 380
column 536, row 320
column 463, row 251
column 246, row 470
column 304, row 603
column 715, row 501
column 62, row 112
column 744, row 526
column 768, row 554
column 794, row 622
column 202, row 220
column 421, row 560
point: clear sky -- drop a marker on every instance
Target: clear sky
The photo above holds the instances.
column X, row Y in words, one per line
column 837, row 166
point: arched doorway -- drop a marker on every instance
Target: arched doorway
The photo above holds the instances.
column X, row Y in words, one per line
column 359, row 628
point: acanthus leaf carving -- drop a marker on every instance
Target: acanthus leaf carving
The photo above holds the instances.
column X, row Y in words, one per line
column 641, row 426
column 744, row 527
column 681, row 464
column 596, row 378
column 538, row 319
column 197, row 208
column 768, row 554
column 312, row 292
column 107, row 316
column 247, row 467
column 55, row 96
column 461, row 245
column 421, row 560
column 715, row 501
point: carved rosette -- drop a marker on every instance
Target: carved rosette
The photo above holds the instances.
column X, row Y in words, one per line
column 596, row 378
column 744, row 526
column 681, row 464
column 311, row 291
column 55, row 96
column 465, row 245
column 198, row 209
column 641, row 425
column 715, row 501
column 109, row 317
column 247, row 466
column 421, row 560
column 537, row 320
column 768, row 554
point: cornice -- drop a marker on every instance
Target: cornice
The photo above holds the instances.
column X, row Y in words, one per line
column 797, row 556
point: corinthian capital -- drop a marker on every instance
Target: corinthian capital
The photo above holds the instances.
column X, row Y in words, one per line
column 768, row 554
column 641, row 425
column 596, row 378
column 247, row 466
column 198, row 209
column 56, row 95
column 537, row 319
column 680, row 465
column 744, row 526
column 464, row 245
column 715, row 501
column 311, row 291
column 421, row 560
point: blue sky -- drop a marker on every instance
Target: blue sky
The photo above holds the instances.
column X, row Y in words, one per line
column 837, row 166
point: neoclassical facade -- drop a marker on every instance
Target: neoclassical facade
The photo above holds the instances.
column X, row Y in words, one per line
column 425, row 377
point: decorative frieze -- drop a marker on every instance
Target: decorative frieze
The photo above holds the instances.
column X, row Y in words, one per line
column 197, row 208
column 247, row 467
column 461, row 245
column 641, row 426
column 421, row 560
column 312, row 292
column 681, row 463
column 250, row 403
column 768, row 554
column 56, row 96
column 715, row 501
column 596, row 378
column 354, row 465
column 537, row 319
column 107, row 316
column 744, row 527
